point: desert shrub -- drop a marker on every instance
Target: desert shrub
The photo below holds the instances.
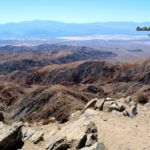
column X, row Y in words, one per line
column 142, row 98
column 45, row 122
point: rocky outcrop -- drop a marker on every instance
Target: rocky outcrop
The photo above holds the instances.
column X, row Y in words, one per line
column 88, row 140
column 11, row 137
column 106, row 104
column 127, row 106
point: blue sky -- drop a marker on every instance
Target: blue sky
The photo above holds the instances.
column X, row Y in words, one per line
column 77, row 11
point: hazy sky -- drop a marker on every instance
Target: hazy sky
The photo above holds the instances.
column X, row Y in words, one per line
column 75, row 10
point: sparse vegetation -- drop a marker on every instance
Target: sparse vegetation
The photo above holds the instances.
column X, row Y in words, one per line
column 142, row 98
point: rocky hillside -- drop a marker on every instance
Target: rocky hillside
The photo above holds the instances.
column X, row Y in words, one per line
column 13, row 58
column 86, row 72
column 103, row 124
column 59, row 90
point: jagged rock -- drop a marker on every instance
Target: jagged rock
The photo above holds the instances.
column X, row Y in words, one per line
column 1, row 117
column 28, row 133
column 117, row 106
column 91, row 128
column 96, row 146
column 90, row 137
column 131, row 111
column 81, row 143
column 121, row 107
column 37, row 137
column 99, row 104
column 107, row 105
column 132, row 103
column 91, row 103
column 11, row 137
column 58, row 143
column 113, row 107
column 128, row 99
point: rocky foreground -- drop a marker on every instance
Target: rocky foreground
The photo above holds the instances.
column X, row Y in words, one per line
column 104, row 124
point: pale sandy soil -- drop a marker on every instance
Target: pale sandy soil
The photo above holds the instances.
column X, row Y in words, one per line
column 115, row 131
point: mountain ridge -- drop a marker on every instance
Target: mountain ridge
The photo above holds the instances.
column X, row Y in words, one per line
column 55, row 29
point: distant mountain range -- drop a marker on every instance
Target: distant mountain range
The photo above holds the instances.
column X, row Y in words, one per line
column 54, row 29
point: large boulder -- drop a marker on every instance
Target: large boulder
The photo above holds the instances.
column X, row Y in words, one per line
column 11, row 137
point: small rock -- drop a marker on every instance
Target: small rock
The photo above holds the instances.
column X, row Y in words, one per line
column 128, row 99
column 37, row 137
column 89, row 112
column 91, row 139
column 114, row 112
column 27, row 134
column 113, row 107
column 107, row 105
column 100, row 146
column 60, row 143
column 91, row 128
column 99, row 104
column 91, row 104
column 132, row 103
column 96, row 146
column 121, row 107
column 1, row 125
column 131, row 112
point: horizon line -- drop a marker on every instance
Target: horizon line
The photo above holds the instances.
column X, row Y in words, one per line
column 16, row 22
